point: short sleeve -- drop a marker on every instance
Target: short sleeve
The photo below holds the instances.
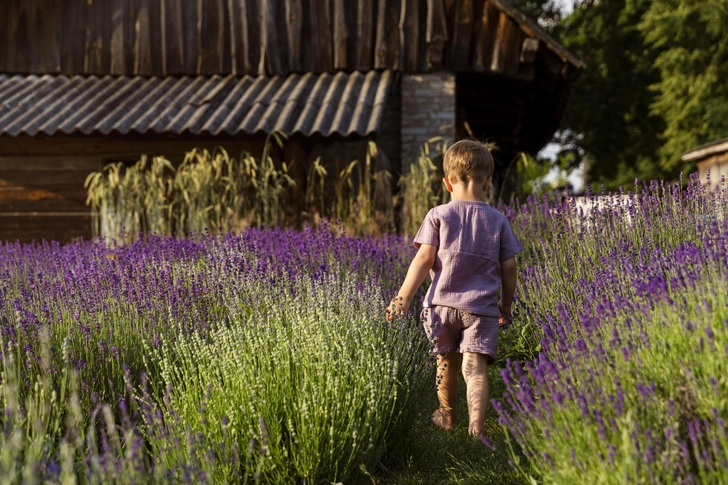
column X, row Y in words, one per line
column 509, row 244
column 429, row 232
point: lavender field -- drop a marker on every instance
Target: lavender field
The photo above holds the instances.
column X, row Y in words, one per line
column 265, row 357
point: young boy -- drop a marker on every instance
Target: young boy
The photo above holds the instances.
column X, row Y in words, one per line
column 469, row 250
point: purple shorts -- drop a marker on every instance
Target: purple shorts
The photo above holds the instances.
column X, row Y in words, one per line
column 451, row 329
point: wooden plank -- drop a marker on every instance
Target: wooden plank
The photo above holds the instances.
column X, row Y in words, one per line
column 142, row 40
column 500, row 48
column 380, row 46
column 341, row 35
column 485, row 34
column 15, row 194
column 515, row 40
column 401, row 32
column 98, row 39
column 34, row 35
column 239, row 37
column 257, row 36
column 365, row 34
column 211, row 37
column 462, row 30
column 321, row 36
column 117, row 49
column 131, row 11
column 190, row 35
column 294, row 30
column 276, row 42
column 155, row 37
column 42, row 178
column 62, row 163
column 45, row 31
column 7, row 31
column 411, row 35
column 173, row 36
column 42, row 204
column 27, row 236
column 436, row 33
column 73, row 36
column 55, row 220
column 122, row 147
column 391, row 40
column 18, row 41
column 227, row 63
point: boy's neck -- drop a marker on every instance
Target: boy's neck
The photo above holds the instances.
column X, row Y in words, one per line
column 470, row 191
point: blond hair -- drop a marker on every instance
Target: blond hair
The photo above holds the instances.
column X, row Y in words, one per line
column 468, row 160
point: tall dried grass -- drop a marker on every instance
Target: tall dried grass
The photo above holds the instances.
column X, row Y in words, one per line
column 213, row 192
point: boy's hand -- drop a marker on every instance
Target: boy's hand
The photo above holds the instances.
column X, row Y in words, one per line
column 505, row 314
column 398, row 306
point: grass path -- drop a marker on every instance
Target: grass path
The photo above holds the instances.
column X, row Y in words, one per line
column 434, row 457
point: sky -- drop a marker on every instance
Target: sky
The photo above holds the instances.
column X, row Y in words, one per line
column 565, row 5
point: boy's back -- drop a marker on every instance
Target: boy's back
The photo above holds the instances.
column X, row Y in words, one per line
column 469, row 250
column 472, row 239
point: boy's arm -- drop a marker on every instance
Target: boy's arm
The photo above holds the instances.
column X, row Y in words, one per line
column 418, row 270
column 508, row 274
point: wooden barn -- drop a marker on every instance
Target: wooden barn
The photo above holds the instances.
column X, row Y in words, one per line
column 87, row 82
column 711, row 159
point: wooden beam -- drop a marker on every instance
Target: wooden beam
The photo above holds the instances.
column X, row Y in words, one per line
column 529, row 49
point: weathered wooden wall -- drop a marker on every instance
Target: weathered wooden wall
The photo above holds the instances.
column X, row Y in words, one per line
column 44, row 197
column 171, row 37
column 42, row 193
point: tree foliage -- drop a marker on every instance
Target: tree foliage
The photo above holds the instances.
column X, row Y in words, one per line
column 654, row 87
column 546, row 12
column 609, row 116
column 691, row 95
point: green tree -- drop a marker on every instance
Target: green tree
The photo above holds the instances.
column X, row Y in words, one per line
column 609, row 116
column 691, row 95
column 546, row 12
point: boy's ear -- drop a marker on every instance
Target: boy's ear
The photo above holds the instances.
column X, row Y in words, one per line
column 487, row 182
column 448, row 185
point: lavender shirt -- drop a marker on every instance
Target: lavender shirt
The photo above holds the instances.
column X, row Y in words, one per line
column 472, row 239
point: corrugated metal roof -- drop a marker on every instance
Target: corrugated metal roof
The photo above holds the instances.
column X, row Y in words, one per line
column 326, row 104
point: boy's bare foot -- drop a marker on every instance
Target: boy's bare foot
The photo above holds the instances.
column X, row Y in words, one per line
column 442, row 419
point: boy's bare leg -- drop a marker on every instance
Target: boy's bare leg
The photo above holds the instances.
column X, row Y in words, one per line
column 446, row 416
column 475, row 373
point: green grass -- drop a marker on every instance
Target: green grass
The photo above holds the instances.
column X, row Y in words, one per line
column 430, row 456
